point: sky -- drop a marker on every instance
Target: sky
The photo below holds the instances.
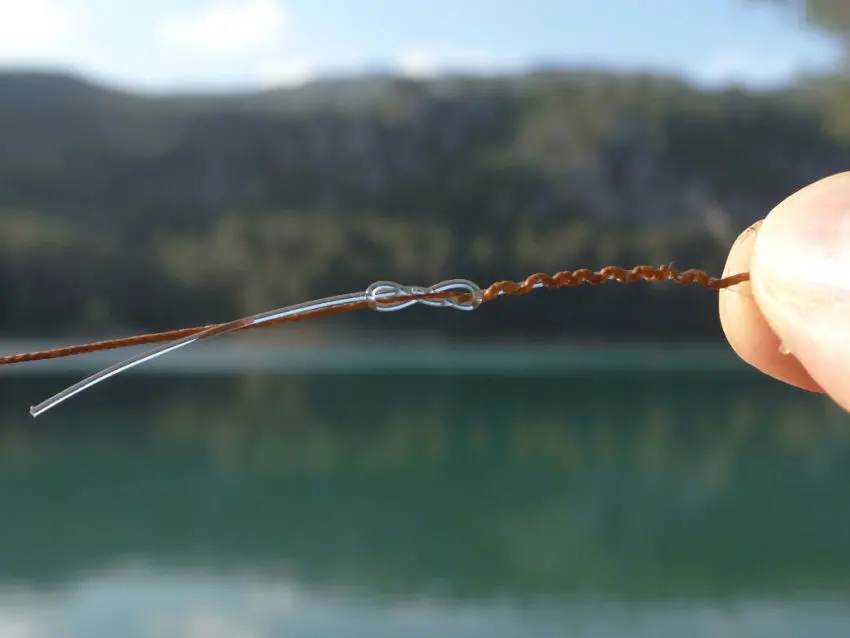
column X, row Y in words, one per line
column 165, row 45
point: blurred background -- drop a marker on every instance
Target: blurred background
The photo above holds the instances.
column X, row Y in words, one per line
column 593, row 462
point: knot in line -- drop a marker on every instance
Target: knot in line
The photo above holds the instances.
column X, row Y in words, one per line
column 389, row 296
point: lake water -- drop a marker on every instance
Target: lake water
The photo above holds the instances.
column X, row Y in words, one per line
column 597, row 503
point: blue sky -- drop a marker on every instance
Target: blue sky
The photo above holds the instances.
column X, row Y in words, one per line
column 220, row 44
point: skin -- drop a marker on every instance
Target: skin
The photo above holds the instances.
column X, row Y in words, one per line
column 792, row 321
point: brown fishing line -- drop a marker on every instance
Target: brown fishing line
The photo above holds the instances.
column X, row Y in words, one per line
column 563, row 279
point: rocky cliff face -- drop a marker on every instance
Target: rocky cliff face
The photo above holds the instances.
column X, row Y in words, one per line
column 160, row 211
column 553, row 145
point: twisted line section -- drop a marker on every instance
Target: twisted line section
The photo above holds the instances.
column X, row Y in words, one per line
column 572, row 278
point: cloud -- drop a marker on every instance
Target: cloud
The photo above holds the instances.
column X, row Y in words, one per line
column 425, row 64
column 291, row 72
column 38, row 29
column 738, row 65
column 226, row 29
column 414, row 63
column 418, row 64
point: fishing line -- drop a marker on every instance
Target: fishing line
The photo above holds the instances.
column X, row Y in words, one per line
column 382, row 296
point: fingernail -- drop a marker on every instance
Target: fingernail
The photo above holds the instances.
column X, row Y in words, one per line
column 739, row 259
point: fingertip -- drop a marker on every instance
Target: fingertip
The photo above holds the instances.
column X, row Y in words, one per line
column 748, row 332
column 800, row 262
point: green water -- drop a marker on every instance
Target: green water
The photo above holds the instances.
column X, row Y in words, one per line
column 606, row 504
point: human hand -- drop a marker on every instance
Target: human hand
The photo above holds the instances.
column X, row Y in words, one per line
column 795, row 325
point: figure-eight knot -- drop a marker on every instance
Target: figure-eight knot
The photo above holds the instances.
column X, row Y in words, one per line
column 389, row 296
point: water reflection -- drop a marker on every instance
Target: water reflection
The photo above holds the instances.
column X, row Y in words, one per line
column 406, row 505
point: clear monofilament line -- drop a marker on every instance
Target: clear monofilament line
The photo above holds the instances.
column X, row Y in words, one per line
column 384, row 296
column 85, row 384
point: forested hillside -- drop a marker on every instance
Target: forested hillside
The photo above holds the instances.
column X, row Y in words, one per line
column 126, row 212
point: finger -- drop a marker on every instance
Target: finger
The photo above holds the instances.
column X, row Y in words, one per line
column 747, row 331
column 800, row 270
